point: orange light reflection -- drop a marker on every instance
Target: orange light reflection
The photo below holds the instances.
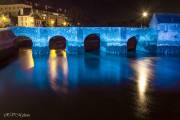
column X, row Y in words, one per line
column 58, row 62
column 26, row 58
column 144, row 73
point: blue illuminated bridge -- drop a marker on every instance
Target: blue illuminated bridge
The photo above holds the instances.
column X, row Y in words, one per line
column 112, row 39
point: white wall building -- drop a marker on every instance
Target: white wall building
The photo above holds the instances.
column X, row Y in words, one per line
column 13, row 9
column 26, row 21
column 167, row 26
column 25, row 18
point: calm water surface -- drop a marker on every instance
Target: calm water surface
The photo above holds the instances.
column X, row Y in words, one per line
column 91, row 86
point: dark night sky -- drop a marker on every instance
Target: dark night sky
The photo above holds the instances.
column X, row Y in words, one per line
column 118, row 10
column 115, row 11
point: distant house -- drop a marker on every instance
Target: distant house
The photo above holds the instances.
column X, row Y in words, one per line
column 13, row 9
column 25, row 18
column 37, row 20
column 167, row 25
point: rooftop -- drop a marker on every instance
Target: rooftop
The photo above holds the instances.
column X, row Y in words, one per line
column 14, row 4
column 167, row 17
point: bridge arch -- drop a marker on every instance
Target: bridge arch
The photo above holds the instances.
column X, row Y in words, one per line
column 57, row 42
column 23, row 42
column 132, row 44
column 92, row 42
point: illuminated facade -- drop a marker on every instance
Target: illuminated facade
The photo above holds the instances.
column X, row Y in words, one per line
column 40, row 15
column 13, row 9
column 26, row 21
column 167, row 26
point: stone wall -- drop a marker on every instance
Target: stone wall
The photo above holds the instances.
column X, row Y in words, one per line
column 7, row 46
column 113, row 39
column 168, row 39
column 6, row 39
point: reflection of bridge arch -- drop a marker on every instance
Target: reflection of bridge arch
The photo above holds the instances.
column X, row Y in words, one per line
column 92, row 42
column 23, row 41
column 57, row 42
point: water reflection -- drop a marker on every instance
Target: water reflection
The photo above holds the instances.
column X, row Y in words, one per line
column 58, row 71
column 143, row 74
column 26, row 58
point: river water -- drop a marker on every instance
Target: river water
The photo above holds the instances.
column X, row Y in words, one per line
column 91, row 86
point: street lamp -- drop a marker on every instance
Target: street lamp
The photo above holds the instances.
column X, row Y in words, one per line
column 3, row 18
column 145, row 14
column 64, row 23
column 52, row 22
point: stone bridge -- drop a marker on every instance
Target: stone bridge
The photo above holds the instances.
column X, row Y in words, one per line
column 112, row 39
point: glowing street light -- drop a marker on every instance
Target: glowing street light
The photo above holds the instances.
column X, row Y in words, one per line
column 145, row 14
column 64, row 23
column 4, row 21
column 3, row 18
column 52, row 22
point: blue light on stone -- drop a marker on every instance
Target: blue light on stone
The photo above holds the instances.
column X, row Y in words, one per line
column 162, row 36
column 112, row 38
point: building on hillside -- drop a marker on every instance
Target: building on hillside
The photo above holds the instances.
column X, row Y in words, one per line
column 51, row 17
column 38, row 21
column 62, row 20
column 39, row 16
column 25, row 18
column 13, row 9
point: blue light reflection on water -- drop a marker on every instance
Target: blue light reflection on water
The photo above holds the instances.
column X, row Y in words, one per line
column 62, row 74
column 91, row 69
